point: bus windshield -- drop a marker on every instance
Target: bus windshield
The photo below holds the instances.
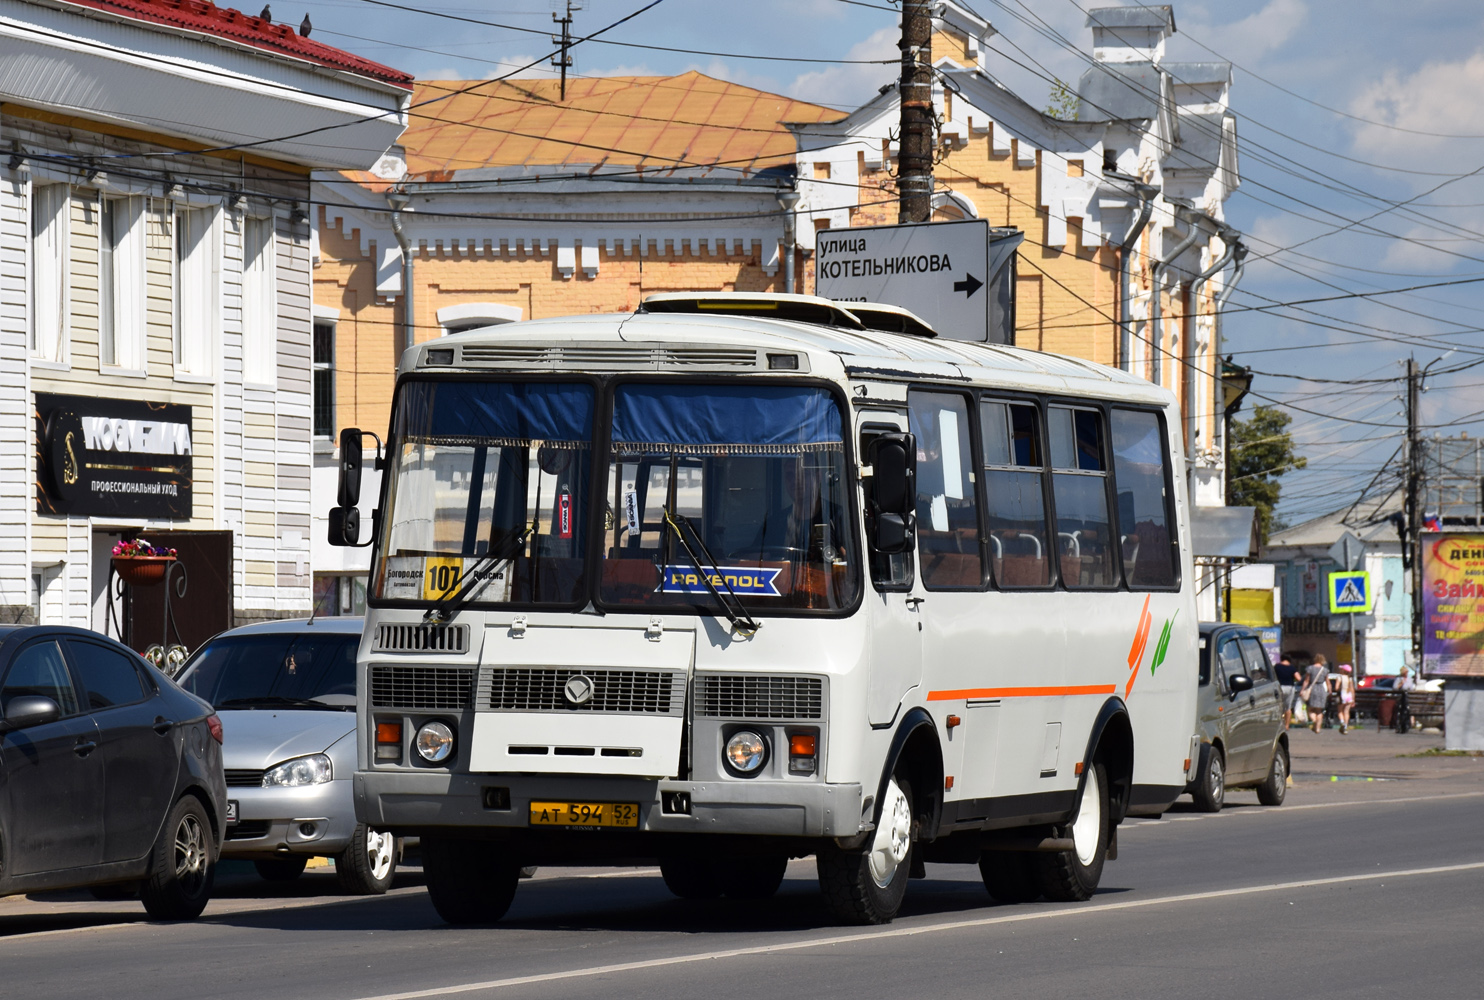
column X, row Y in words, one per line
column 758, row 472
column 488, row 479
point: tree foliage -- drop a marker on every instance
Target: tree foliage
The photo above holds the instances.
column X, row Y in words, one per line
column 1259, row 453
column 1064, row 102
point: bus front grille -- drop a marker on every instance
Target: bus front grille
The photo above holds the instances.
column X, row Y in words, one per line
column 759, row 696
column 396, row 685
column 544, row 689
column 417, row 637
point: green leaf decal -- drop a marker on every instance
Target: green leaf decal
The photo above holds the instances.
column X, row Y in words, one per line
column 1164, row 643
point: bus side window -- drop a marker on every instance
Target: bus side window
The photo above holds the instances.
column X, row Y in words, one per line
column 947, row 501
column 1079, row 490
column 1140, row 464
column 888, row 572
column 1014, row 486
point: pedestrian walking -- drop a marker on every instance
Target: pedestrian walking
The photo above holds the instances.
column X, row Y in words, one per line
column 1288, row 680
column 1315, row 692
column 1404, row 684
column 1345, row 688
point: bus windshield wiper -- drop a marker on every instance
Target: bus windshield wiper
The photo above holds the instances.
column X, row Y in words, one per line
column 476, row 577
column 744, row 624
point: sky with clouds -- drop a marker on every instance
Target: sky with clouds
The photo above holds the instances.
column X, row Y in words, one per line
column 1362, row 159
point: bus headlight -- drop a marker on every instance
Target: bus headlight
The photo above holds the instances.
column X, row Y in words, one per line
column 746, row 752
column 434, row 742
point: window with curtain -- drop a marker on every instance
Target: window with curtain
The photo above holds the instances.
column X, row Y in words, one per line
column 947, row 507
column 50, row 243
column 1079, row 485
column 259, row 303
column 197, row 277
column 121, row 291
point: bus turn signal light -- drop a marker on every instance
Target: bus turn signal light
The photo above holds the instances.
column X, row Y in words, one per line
column 802, row 753
column 389, row 741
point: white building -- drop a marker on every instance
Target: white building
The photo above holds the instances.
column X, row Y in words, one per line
column 155, row 301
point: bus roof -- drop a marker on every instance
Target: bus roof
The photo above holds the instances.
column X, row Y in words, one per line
column 709, row 342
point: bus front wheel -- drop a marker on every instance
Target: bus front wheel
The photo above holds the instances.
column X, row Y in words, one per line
column 1073, row 876
column 468, row 881
column 866, row 885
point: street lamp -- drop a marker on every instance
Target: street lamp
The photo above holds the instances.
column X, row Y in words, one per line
column 787, row 199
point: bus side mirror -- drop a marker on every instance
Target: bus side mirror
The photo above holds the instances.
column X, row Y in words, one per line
column 345, row 526
column 893, row 533
column 350, row 467
column 893, row 474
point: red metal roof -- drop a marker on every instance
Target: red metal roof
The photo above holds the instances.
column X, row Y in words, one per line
column 225, row 22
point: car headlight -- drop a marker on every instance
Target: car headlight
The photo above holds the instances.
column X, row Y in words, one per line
column 434, row 742
column 312, row 770
column 746, row 751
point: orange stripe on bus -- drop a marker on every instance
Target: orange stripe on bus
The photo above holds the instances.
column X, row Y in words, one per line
column 1025, row 692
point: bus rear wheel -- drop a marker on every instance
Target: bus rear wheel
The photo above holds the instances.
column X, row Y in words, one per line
column 867, row 885
column 1073, row 876
column 468, row 881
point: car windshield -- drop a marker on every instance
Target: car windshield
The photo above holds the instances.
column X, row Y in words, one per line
column 488, row 479
column 276, row 670
column 741, row 487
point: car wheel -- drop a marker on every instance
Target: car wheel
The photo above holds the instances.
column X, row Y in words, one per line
column 1009, row 876
column 366, row 867
column 469, row 882
column 1209, row 792
column 281, row 869
column 182, row 868
column 1073, row 876
column 691, row 878
column 867, row 885
column 1275, row 786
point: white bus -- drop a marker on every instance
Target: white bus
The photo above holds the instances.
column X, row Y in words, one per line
column 740, row 578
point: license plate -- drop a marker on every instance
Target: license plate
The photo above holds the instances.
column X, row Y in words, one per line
column 621, row 814
column 231, row 810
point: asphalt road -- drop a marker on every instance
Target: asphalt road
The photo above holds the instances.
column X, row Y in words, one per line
column 1366, row 882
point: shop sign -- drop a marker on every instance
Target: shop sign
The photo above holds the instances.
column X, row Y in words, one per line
column 112, row 457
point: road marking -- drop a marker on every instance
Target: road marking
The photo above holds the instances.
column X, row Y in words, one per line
column 902, row 932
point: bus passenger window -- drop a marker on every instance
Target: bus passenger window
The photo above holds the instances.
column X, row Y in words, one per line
column 1139, row 464
column 1079, row 490
column 947, row 511
column 1016, row 504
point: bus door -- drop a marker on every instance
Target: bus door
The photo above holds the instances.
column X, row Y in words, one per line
column 893, row 602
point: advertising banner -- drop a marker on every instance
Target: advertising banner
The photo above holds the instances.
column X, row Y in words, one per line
column 1452, row 605
column 112, row 457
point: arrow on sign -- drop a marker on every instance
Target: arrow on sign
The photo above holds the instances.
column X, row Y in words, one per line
column 969, row 285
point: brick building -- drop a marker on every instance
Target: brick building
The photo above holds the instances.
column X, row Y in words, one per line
column 514, row 203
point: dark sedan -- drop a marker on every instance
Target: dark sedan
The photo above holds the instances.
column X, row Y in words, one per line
column 110, row 774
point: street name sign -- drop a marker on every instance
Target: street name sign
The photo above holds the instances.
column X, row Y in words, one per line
column 1349, row 592
column 951, row 274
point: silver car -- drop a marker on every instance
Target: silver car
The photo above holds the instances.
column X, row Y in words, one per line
column 286, row 694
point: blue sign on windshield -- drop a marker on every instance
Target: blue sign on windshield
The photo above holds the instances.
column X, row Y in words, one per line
column 745, row 581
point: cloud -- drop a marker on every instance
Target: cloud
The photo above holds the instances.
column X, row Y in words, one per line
column 1439, row 97
column 852, row 86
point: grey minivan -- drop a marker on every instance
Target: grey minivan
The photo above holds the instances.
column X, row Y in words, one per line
column 286, row 694
column 1239, row 720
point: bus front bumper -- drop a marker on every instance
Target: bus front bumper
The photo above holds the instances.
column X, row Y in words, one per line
column 408, row 802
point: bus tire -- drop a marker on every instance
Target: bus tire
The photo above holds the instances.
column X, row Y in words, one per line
column 1209, row 792
column 867, row 885
column 1073, row 876
column 468, row 881
column 1010, row 876
column 1275, row 786
column 754, row 878
column 691, row 878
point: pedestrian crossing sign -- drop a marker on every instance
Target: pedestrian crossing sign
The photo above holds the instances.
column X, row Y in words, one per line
column 1349, row 593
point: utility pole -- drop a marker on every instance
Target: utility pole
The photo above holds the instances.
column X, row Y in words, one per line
column 1412, row 543
column 915, row 142
column 563, row 62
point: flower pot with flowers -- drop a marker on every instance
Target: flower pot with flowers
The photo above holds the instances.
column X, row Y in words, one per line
column 140, row 564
